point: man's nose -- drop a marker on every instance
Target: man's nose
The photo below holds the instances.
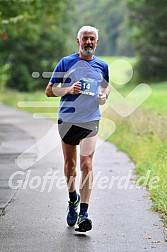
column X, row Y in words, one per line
column 88, row 41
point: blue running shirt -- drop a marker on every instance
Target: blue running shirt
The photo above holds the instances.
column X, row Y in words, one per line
column 92, row 74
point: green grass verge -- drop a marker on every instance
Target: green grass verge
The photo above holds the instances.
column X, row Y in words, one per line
column 158, row 100
column 143, row 135
column 13, row 98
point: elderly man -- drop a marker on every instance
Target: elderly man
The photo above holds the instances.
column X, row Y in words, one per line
column 84, row 85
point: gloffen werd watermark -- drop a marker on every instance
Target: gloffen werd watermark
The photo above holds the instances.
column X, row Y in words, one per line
column 54, row 179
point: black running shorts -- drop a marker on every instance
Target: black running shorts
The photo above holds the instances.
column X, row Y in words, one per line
column 73, row 133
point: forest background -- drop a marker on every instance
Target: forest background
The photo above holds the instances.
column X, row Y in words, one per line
column 35, row 34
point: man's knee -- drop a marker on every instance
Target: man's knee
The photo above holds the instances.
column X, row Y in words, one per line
column 86, row 164
column 70, row 166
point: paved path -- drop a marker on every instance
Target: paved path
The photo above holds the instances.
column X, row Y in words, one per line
column 34, row 220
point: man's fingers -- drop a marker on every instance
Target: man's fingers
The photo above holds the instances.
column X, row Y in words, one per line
column 101, row 98
column 101, row 95
column 76, row 87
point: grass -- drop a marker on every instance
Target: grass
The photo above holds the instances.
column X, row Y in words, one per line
column 13, row 98
column 143, row 134
column 158, row 100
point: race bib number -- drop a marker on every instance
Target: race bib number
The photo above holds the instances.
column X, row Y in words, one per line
column 88, row 86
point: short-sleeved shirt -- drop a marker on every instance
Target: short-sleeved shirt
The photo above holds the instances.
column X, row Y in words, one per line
column 82, row 107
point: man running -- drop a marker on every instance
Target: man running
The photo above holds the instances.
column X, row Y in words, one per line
column 84, row 85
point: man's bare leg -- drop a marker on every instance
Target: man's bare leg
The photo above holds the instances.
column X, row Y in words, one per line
column 86, row 155
column 87, row 148
column 70, row 157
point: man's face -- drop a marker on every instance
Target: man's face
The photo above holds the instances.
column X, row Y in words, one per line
column 87, row 43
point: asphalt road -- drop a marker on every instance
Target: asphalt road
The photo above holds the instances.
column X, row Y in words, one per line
column 33, row 195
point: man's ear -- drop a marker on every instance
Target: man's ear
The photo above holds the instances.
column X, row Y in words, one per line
column 77, row 41
column 97, row 42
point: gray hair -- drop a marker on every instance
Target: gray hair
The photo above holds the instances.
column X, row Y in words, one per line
column 87, row 28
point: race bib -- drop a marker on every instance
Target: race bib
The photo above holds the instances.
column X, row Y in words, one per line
column 88, row 86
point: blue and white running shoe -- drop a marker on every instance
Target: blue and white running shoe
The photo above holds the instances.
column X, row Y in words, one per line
column 72, row 215
column 84, row 223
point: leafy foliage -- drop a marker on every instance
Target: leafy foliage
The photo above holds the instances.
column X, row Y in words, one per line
column 110, row 17
column 35, row 34
column 148, row 17
column 32, row 36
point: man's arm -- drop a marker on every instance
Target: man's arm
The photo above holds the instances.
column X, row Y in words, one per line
column 54, row 91
column 49, row 90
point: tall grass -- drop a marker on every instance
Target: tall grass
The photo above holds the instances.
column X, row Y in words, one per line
column 143, row 135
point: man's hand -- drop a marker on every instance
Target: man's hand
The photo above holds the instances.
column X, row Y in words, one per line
column 52, row 91
column 75, row 88
column 102, row 98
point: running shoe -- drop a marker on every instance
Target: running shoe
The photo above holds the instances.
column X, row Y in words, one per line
column 72, row 215
column 84, row 223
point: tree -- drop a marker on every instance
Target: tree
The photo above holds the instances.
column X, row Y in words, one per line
column 148, row 18
column 110, row 17
column 32, row 37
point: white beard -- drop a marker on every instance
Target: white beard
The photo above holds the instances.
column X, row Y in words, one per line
column 87, row 52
